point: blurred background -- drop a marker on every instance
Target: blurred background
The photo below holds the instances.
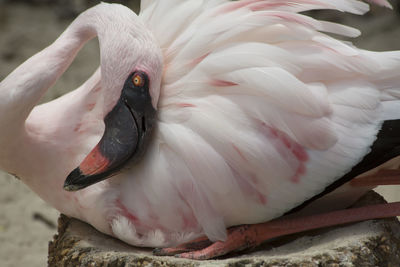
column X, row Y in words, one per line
column 26, row 27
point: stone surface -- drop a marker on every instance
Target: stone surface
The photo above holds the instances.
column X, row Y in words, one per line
column 370, row 243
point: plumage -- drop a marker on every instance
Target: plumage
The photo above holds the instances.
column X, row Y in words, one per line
column 259, row 109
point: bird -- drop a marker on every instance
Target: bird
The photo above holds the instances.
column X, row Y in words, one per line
column 205, row 116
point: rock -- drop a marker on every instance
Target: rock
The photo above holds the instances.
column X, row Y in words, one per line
column 370, row 243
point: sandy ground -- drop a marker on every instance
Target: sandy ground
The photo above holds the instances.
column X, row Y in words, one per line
column 26, row 222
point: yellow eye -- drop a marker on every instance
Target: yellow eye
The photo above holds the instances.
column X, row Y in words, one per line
column 138, row 80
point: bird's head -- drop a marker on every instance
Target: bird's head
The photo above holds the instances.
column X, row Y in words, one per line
column 131, row 69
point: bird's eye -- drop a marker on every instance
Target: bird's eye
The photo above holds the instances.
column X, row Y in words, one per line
column 138, row 80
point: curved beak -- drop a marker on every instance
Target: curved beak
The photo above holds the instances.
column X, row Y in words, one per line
column 127, row 131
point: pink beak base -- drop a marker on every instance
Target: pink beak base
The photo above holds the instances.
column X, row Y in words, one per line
column 94, row 163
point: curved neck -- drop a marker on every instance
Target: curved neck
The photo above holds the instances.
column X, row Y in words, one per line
column 36, row 145
column 21, row 90
column 42, row 146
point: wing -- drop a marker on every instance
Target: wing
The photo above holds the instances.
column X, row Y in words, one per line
column 260, row 109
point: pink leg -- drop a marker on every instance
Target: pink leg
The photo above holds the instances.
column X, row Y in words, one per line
column 383, row 177
column 248, row 236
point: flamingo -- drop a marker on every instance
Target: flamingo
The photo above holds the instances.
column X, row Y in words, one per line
column 203, row 116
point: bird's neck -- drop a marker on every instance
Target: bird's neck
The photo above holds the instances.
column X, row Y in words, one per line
column 21, row 90
column 36, row 146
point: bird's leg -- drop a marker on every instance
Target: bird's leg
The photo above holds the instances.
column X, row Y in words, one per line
column 249, row 236
column 383, row 177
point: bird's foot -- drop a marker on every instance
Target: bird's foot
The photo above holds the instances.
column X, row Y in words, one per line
column 249, row 236
column 196, row 244
column 239, row 238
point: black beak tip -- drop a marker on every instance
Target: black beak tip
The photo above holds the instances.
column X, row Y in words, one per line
column 74, row 180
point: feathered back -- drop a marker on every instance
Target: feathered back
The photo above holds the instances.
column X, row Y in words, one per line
column 250, row 49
